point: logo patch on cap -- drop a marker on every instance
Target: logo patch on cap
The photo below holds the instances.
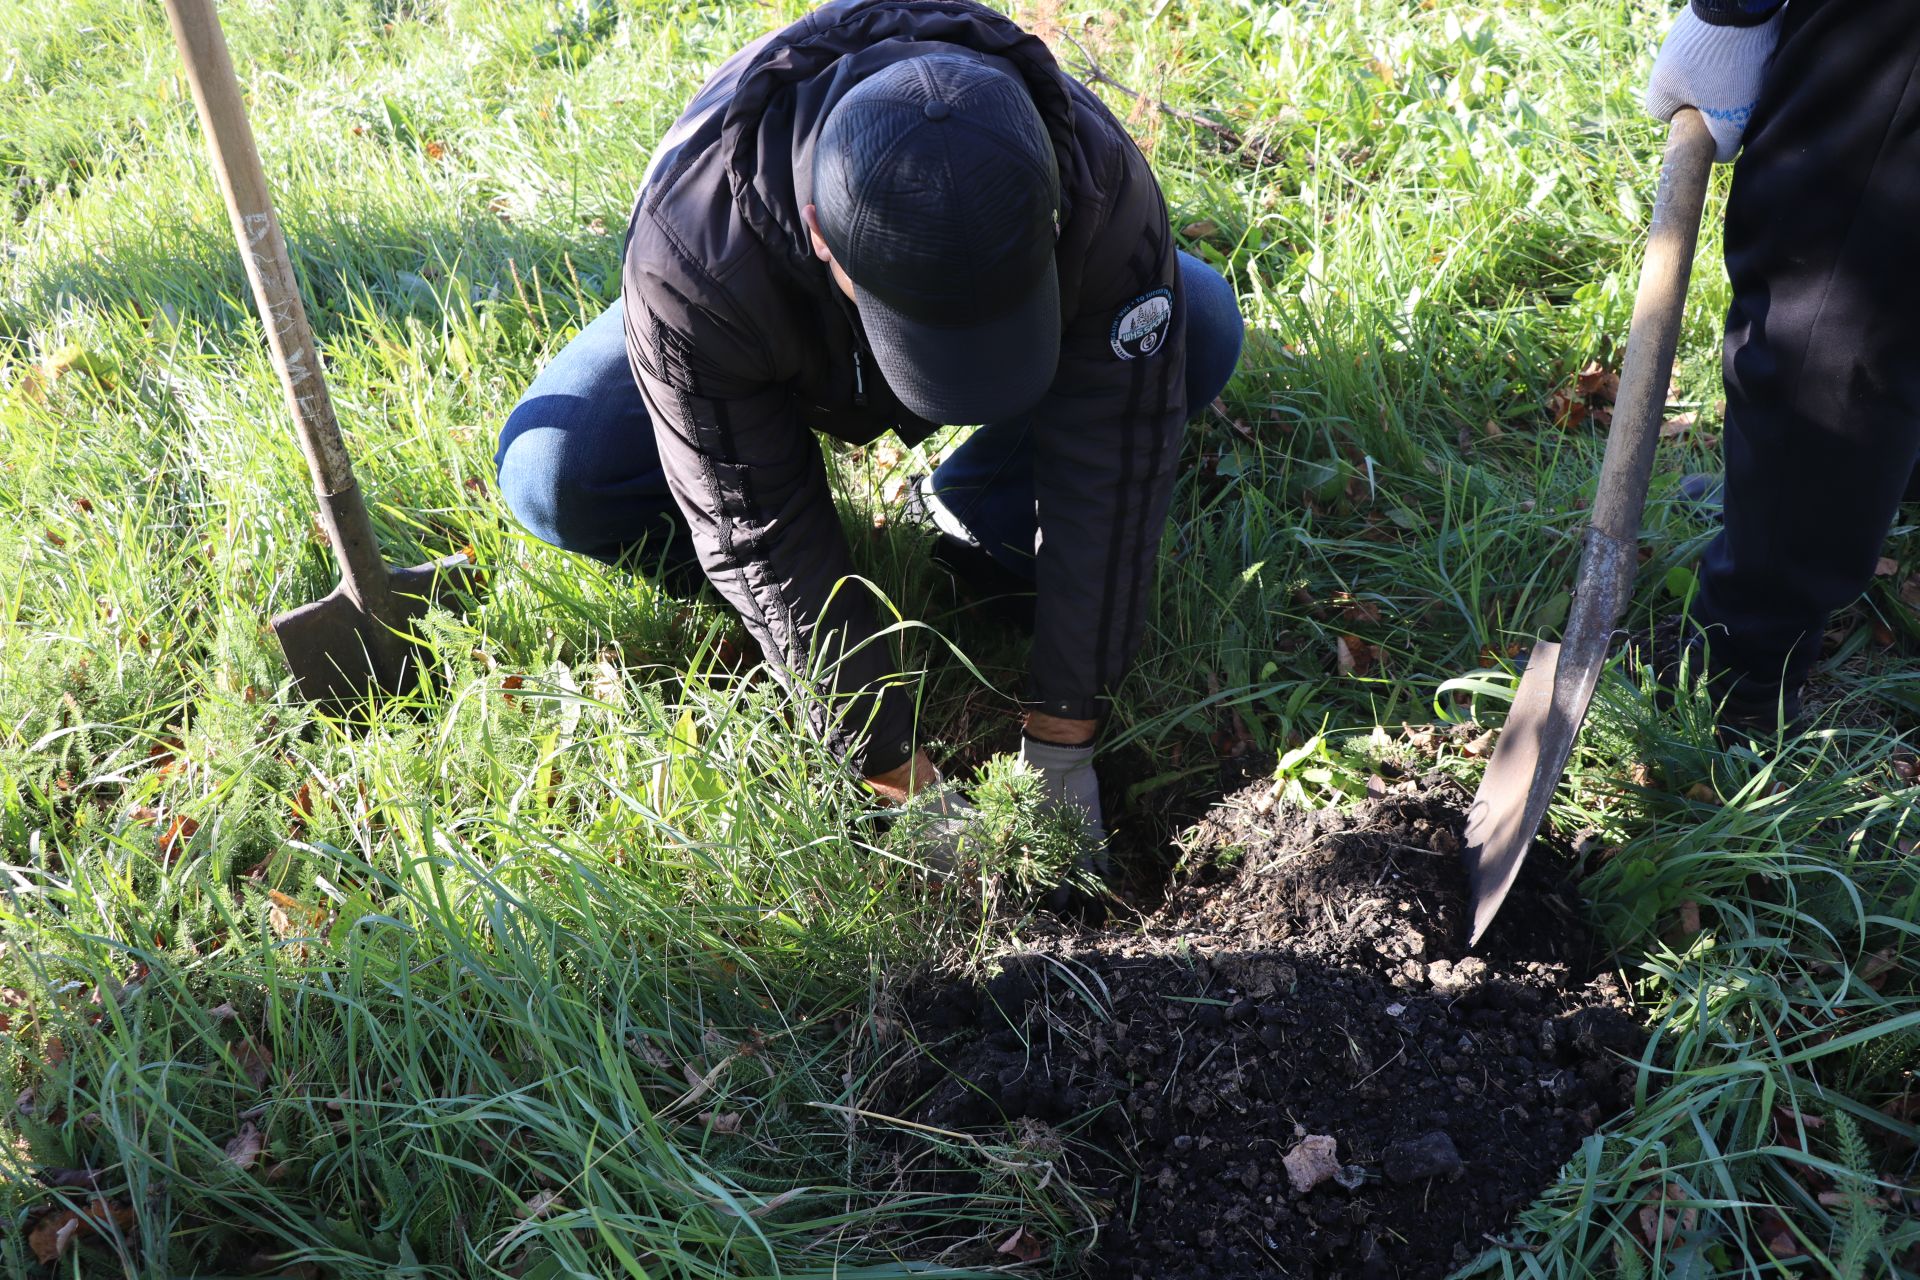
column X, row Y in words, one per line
column 1141, row 326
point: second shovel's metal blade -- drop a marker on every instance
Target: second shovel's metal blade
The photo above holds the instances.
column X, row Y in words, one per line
column 326, row 650
column 340, row 655
column 1528, row 758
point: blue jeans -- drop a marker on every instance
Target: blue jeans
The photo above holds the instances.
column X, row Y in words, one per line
column 578, row 467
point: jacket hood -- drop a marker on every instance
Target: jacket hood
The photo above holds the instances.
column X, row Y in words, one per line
column 784, row 94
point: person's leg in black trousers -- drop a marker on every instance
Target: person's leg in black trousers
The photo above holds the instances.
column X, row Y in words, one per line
column 1822, row 361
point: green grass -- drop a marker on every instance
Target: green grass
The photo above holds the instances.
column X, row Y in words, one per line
column 571, row 965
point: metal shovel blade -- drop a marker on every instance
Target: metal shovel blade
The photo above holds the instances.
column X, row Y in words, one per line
column 340, row 655
column 1519, row 781
column 1534, row 747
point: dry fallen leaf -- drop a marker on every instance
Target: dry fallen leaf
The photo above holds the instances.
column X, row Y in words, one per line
column 289, row 916
column 1687, row 927
column 1565, row 411
column 1353, row 656
column 10, row 998
column 1023, row 1245
column 178, row 835
column 55, row 1233
column 1678, row 425
column 1659, row 1224
column 256, row 1061
column 1311, row 1162
column 1598, row 384
column 1776, row 1234
column 244, row 1149
column 790, row 1194
column 540, row 1205
column 723, row 1121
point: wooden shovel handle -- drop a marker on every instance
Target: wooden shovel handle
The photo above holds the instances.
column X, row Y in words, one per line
column 276, row 293
column 1641, row 401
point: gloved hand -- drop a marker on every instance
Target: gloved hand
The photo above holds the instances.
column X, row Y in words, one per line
column 937, row 823
column 1067, row 775
column 1716, row 69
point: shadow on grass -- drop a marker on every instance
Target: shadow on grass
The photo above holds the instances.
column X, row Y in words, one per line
column 352, row 267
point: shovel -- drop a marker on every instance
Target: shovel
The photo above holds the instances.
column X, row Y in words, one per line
column 1558, row 684
column 353, row 642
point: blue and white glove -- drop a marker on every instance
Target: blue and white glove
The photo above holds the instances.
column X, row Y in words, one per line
column 1066, row 774
column 1715, row 69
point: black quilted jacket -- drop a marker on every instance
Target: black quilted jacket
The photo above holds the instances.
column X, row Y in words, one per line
column 743, row 349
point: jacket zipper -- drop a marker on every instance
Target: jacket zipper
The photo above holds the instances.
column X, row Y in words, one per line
column 859, row 366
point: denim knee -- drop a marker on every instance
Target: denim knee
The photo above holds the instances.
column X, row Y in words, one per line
column 532, row 469
column 1215, row 331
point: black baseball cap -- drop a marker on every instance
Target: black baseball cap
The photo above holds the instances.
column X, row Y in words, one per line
column 935, row 186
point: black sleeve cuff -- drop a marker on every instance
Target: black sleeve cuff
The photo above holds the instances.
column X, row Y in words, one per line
column 889, row 743
column 1735, row 13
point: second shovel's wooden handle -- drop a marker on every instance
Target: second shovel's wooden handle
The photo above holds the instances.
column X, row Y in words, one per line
column 276, row 293
column 1658, row 307
column 236, row 163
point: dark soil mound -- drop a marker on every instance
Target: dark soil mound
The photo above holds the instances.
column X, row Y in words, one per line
column 1295, row 1068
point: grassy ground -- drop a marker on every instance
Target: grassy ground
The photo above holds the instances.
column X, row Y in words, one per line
column 569, row 966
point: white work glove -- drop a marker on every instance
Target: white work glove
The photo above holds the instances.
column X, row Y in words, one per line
column 937, row 824
column 1716, row 70
column 1067, row 776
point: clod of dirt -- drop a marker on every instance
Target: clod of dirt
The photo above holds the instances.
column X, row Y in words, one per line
column 1431, row 1155
column 1295, row 1068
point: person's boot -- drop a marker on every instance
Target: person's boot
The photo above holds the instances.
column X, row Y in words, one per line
column 1677, row 652
column 1703, row 493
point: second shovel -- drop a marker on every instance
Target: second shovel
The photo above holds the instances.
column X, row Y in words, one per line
column 352, row 642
